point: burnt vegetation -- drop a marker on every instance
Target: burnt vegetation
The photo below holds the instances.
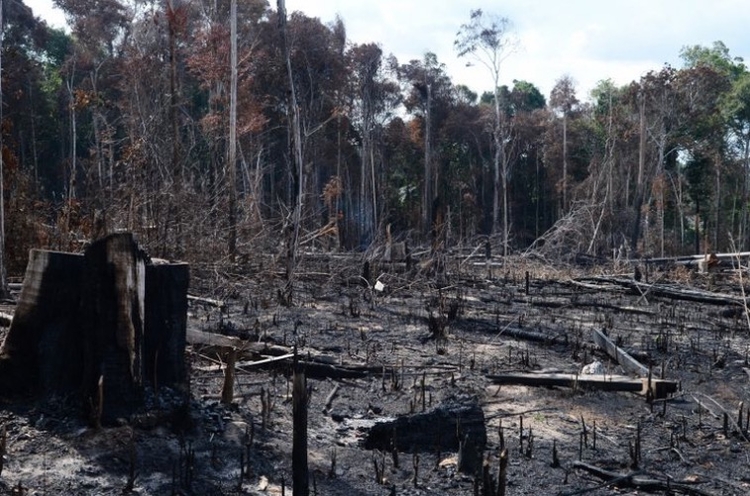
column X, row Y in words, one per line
column 396, row 285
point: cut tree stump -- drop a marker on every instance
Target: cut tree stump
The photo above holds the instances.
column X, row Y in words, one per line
column 41, row 339
column 109, row 315
column 456, row 424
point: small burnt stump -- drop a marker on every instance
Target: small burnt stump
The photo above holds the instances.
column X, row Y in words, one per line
column 457, row 424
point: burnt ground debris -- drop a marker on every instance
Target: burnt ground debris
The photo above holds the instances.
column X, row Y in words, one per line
column 376, row 356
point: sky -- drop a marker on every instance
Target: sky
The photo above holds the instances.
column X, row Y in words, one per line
column 588, row 40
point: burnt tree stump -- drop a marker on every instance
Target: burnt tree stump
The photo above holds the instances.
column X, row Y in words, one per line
column 110, row 315
column 457, row 424
column 41, row 342
column 166, row 322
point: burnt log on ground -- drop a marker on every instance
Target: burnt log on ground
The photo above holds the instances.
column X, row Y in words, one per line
column 457, row 424
column 660, row 388
column 671, row 291
column 640, row 481
column 106, row 317
column 619, row 355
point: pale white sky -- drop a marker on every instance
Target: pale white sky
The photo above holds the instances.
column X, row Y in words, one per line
column 589, row 40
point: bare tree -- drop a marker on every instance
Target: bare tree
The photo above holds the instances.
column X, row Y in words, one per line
column 297, row 167
column 487, row 40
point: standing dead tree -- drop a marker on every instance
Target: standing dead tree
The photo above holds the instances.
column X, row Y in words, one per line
column 486, row 39
column 297, row 166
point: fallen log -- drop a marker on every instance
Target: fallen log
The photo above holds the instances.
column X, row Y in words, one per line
column 661, row 388
column 199, row 337
column 457, row 424
column 619, row 355
column 207, row 301
column 640, row 481
column 510, row 330
column 672, row 291
column 692, row 259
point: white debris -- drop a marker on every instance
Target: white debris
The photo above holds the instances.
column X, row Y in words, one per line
column 594, row 368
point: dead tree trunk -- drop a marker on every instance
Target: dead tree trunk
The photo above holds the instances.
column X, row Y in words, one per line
column 300, row 472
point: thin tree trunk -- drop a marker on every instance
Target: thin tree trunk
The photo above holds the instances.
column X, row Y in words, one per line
column 73, row 139
column 505, row 208
column 717, row 213
column 232, row 162
column 638, row 200
column 374, row 226
column 744, row 207
column 428, row 193
column 565, row 164
column 300, row 471
column 498, row 157
column 362, row 188
column 297, row 167
column 173, row 95
column 3, row 278
column 96, row 120
column 34, row 151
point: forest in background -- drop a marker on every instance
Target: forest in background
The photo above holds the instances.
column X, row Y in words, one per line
column 126, row 122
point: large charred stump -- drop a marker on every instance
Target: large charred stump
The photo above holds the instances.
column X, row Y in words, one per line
column 166, row 321
column 455, row 425
column 100, row 326
column 112, row 322
column 42, row 340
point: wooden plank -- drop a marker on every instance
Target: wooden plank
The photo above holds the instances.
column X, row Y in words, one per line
column 661, row 388
column 619, row 355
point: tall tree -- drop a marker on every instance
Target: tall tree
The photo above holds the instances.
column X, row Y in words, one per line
column 563, row 100
column 232, row 162
column 430, row 94
column 529, row 114
column 297, row 162
column 736, row 109
column 487, row 40
column 375, row 97
column 703, row 84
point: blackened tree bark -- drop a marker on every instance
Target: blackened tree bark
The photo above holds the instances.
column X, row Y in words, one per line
column 300, row 473
column 110, row 316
